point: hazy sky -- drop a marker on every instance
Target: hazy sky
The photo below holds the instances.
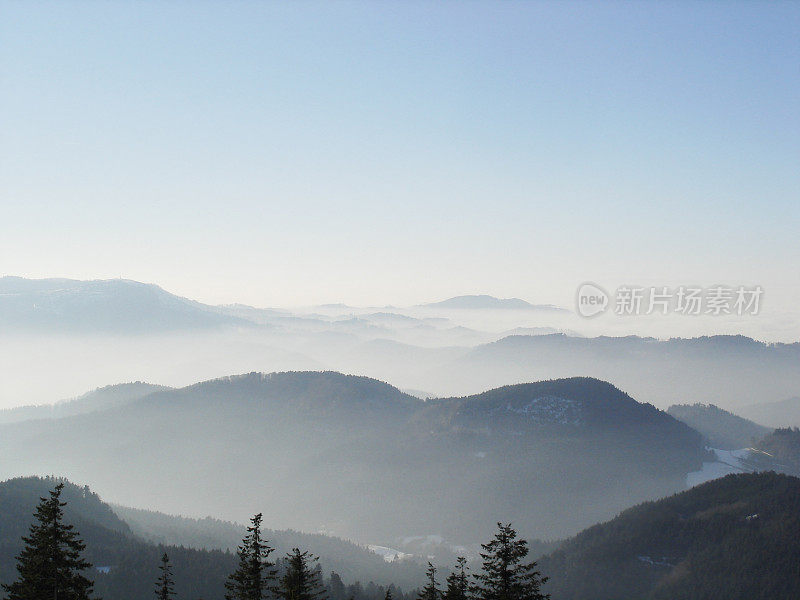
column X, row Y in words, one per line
column 293, row 153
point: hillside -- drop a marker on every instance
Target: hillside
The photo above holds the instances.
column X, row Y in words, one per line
column 100, row 306
column 103, row 398
column 350, row 561
column 782, row 448
column 125, row 551
column 131, row 563
column 358, row 458
column 733, row 538
column 721, row 428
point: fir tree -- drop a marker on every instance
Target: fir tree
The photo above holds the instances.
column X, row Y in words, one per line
column 388, row 595
column 50, row 565
column 165, row 585
column 254, row 578
column 431, row 590
column 458, row 581
column 505, row 576
column 336, row 587
column 300, row 582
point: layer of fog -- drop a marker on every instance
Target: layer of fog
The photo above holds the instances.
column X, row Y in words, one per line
column 415, row 348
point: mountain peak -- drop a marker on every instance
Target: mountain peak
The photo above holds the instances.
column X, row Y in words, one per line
column 584, row 401
column 317, row 392
column 101, row 305
column 486, row 302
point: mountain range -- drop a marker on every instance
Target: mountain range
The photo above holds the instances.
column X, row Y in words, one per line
column 729, row 371
column 126, row 306
column 130, row 331
column 321, row 451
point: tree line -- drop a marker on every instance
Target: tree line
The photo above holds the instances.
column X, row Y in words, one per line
column 51, row 567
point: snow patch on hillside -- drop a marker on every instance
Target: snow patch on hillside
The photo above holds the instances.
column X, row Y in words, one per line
column 655, row 562
column 388, row 554
column 428, row 546
column 727, row 462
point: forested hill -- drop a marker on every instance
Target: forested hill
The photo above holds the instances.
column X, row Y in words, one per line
column 357, row 458
column 733, row 538
column 351, row 561
column 125, row 565
column 310, row 393
column 131, row 563
column 782, row 446
column 722, row 429
column 578, row 402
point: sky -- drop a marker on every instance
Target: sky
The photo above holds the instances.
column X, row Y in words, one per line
column 281, row 154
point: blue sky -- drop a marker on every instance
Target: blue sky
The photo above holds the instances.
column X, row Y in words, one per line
column 292, row 153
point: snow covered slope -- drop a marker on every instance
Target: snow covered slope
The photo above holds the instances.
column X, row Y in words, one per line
column 727, row 462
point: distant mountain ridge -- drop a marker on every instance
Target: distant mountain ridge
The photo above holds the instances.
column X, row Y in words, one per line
column 359, row 458
column 110, row 305
column 722, row 429
column 782, row 413
column 485, row 302
column 60, row 304
column 103, row 398
column 706, row 369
